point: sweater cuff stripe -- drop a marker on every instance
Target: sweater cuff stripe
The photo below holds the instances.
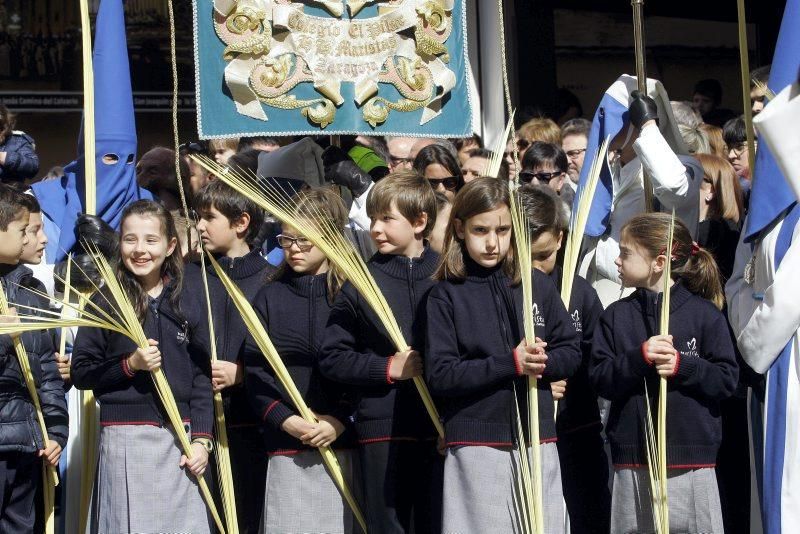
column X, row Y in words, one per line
column 517, row 363
column 271, row 407
column 647, row 360
column 126, row 368
column 388, row 366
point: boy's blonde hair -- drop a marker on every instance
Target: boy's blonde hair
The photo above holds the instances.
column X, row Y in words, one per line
column 231, row 143
column 411, row 193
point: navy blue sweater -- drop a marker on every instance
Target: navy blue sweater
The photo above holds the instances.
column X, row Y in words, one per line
column 127, row 397
column 357, row 349
column 294, row 310
column 707, row 374
column 474, row 326
column 249, row 273
column 19, row 428
column 578, row 410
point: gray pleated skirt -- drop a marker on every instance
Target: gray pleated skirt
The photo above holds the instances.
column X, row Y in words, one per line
column 301, row 498
column 140, row 488
column 693, row 497
column 480, row 488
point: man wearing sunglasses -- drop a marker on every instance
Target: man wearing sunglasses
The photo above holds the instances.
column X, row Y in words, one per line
column 546, row 164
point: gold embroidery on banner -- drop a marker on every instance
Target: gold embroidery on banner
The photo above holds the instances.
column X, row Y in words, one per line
column 273, row 46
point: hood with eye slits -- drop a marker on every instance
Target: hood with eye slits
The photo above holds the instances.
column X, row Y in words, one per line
column 62, row 200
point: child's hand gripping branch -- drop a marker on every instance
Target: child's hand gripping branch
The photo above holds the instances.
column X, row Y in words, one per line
column 64, row 367
column 225, row 374
column 199, row 460
column 558, row 389
column 147, row 359
column 659, row 351
column 405, row 365
column 531, row 357
column 51, row 453
column 321, row 434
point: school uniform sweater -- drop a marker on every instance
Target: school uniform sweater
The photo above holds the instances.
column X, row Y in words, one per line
column 357, row 349
column 294, row 310
column 578, row 410
column 706, row 374
column 19, row 428
column 474, row 327
column 127, row 397
column 249, row 272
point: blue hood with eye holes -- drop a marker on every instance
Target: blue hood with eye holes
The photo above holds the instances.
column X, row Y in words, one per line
column 115, row 136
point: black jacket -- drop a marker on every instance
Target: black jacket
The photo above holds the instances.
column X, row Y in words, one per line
column 249, row 273
column 474, row 326
column 125, row 397
column 357, row 348
column 707, row 374
column 578, row 410
column 21, row 162
column 19, row 427
column 294, row 310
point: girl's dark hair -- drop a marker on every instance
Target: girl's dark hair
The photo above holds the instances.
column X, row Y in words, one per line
column 313, row 204
column 694, row 266
column 172, row 266
column 476, row 197
column 540, row 154
column 544, row 210
column 433, row 154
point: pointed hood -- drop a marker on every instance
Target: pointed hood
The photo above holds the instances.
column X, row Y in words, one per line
column 115, row 135
column 611, row 118
column 771, row 194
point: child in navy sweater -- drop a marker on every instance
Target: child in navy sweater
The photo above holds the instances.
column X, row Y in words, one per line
column 228, row 224
column 697, row 358
column 477, row 364
column 397, row 447
column 584, row 464
column 294, row 308
column 141, row 484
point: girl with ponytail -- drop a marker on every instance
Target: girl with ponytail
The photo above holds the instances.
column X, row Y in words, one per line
column 697, row 359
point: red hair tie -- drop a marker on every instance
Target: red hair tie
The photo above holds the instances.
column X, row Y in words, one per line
column 695, row 248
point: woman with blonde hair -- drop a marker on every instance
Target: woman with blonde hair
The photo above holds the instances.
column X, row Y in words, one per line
column 716, row 144
column 721, row 210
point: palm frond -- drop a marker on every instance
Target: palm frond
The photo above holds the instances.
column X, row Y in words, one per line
column 577, row 227
column 224, row 467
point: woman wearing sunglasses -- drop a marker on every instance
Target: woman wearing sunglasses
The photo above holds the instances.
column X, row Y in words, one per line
column 442, row 170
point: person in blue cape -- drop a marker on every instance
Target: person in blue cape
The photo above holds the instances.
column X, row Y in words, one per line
column 644, row 137
column 762, row 297
column 64, row 199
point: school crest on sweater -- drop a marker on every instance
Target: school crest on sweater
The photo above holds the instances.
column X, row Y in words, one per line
column 538, row 318
column 576, row 321
column 690, row 349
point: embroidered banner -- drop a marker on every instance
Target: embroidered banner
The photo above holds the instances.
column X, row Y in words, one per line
column 374, row 67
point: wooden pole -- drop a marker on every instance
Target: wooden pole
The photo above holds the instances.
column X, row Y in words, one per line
column 641, row 78
column 744, row 62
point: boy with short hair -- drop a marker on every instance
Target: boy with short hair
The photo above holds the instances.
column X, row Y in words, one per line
column 228, row 224
column 21, row 442
column 584, row 464
column 401, row 470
